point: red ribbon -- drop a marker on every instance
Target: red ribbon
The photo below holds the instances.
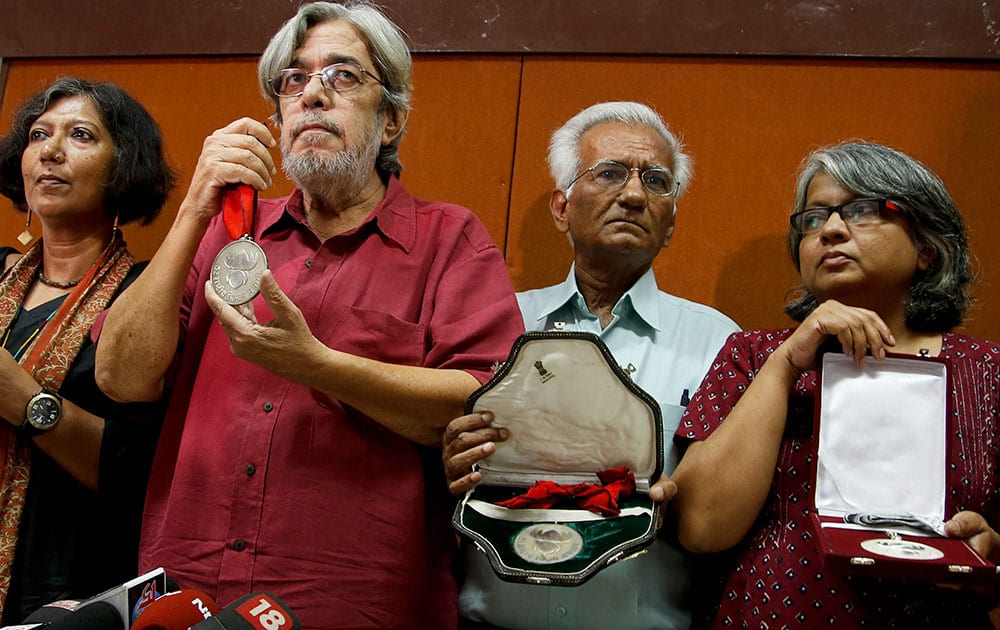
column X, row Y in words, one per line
column 238, row 203
column 601, row 499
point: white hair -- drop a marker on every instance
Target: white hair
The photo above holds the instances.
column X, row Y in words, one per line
column 564, row 147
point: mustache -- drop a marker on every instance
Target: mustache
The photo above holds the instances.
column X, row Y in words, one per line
column 316, row 121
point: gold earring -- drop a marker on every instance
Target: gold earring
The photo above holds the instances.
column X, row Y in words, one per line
column 26, row 236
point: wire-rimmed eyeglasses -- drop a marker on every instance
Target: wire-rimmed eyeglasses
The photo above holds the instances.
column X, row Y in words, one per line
column 854, row 212
column 613, row 175
column 340, row 77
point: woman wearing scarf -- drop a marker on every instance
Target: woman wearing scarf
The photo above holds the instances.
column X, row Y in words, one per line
column 81, row 159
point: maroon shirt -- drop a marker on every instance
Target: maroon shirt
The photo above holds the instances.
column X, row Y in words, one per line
column 778, row 579
column 260, row 484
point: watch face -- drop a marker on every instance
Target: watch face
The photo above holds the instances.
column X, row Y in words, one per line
column 44, row 411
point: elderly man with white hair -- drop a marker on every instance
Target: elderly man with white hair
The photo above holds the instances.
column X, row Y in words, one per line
column 617, row 224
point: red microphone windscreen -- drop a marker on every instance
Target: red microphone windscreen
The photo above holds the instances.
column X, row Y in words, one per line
column 258, row 611
column 176, row 611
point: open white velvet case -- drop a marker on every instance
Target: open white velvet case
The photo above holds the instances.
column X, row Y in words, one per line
column 881, row 472
column 572, row 412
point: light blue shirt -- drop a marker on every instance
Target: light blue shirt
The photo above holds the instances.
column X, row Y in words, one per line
column 667, row 344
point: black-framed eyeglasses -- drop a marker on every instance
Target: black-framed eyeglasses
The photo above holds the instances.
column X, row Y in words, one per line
column 613, row 175
column 340, row 77
column 854, row 212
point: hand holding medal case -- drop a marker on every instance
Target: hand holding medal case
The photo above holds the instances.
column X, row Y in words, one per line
column 881, row 472
column 239, row 265
column 580, row 431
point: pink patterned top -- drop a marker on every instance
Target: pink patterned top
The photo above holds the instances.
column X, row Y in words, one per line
column 778, row 579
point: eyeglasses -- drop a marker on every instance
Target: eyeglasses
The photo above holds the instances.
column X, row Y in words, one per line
column 613, row 175
column 854, row 212
column 339, row 77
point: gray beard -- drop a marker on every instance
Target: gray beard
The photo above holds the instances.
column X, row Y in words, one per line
column 338, row 176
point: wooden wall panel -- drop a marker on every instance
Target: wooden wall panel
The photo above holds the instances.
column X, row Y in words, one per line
column 479, row 129
column 462, row 130
column 747, row 124
column 459, row 146
column 928, row 29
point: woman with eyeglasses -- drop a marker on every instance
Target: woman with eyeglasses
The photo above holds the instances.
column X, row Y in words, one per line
column 882, row 254
column 81, row 158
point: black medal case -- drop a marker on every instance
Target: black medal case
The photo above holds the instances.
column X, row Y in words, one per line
column 571, row 411
column 881, row 472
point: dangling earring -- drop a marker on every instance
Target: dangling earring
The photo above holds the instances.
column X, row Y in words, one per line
column 26, row 236
column 115, row 232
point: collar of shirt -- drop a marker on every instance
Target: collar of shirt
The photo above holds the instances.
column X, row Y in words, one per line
column 643, row 297
column 394, row 216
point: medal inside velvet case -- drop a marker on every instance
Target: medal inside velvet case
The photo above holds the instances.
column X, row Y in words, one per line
column 881, row 472
column 573, row 414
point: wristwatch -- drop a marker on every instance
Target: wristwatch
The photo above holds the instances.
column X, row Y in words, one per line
column 42, row 414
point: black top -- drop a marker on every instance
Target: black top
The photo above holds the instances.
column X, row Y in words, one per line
column 72, row 542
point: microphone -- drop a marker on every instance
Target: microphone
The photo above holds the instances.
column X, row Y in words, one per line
column 92, row 614
column 96, row 616
column 53, row 611
column 258, row 611
column 134, row 596
column 176, row 611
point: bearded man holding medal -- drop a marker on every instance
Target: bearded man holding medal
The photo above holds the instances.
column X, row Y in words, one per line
column 298, row 454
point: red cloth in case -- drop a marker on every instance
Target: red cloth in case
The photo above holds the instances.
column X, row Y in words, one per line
column 600, row 499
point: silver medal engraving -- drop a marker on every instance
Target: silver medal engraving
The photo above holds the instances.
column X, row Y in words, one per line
column 237, row 270
column 899, row 548
column 548, row 543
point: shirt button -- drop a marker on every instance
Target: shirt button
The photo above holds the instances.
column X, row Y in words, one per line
column 309, row 262
column 239, row 544
column 249, row 469
column 268, row 406
column 561, row 611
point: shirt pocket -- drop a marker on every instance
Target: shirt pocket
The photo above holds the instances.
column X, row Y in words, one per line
column 375, row 335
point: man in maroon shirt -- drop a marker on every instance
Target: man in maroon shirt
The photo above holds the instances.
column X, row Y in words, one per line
column 296, row 455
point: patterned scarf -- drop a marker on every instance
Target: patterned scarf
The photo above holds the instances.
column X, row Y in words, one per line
column 47, row 359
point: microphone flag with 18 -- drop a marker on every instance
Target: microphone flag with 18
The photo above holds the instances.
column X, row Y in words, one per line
column 257, row 611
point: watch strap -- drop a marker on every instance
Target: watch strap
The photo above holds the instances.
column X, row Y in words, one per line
column 26, row 430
